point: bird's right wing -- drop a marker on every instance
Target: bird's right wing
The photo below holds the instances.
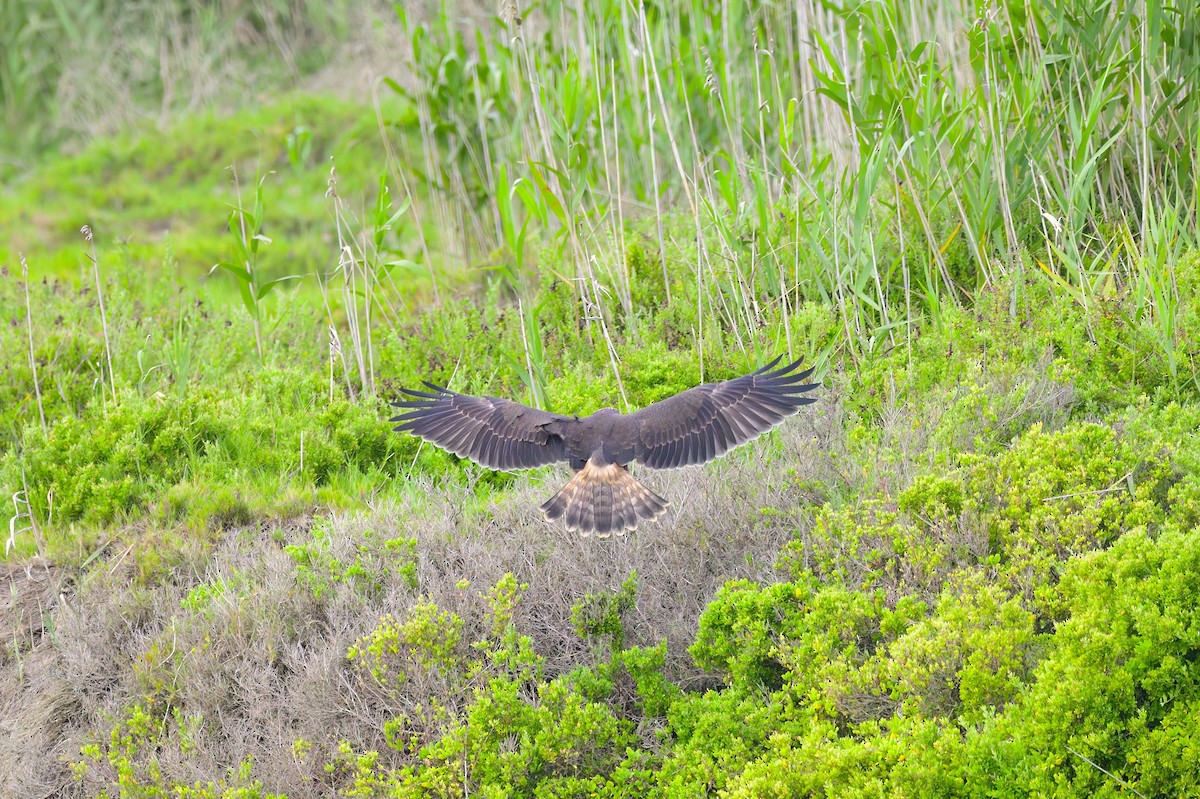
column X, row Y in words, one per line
column 494, row 432
column 704, row 422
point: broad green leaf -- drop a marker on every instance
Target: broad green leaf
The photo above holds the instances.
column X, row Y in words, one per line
column 269, row 286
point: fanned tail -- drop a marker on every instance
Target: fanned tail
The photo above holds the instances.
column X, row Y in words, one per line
column 604, row 499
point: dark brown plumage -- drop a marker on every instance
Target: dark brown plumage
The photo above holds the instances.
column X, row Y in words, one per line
column 689, row 428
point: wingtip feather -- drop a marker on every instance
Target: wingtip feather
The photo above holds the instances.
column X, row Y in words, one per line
column 768, row 367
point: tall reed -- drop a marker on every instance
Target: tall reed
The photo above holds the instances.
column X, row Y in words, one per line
column 886, row 158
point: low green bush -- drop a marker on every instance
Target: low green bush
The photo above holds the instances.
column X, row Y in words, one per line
column 279, row 427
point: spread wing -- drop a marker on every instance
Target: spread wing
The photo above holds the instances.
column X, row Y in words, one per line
column 493, row 432
column 707, row 421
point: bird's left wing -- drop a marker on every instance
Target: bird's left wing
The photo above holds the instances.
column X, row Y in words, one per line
column 704, row 422
column 494, row 432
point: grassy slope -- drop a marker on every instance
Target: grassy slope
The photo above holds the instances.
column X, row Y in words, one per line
column 155, row 197
column 933, row 502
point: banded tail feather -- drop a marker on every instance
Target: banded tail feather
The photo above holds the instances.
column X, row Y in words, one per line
column 604, row 498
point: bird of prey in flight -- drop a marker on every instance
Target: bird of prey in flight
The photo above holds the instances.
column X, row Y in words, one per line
column 692, row 427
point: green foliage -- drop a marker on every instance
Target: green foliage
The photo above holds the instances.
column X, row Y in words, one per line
column 517, row 732
column 1104, row 708
column 375, row 563
column 155, row 198
column 968, row 658
column 126, row 765
column 740, row 629
column 719, row 733
column 600, row 615
column 868, row 684
column 1119, row 685
column 145, row 448
column 1056, row 495
column 506, row 649
column 202, row 596
column 246, row 227
column 427, row 638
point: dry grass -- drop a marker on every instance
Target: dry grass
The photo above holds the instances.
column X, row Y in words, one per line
column 36, row 700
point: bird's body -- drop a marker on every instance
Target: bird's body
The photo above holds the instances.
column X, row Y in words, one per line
column 689, row 428
column 593, row 436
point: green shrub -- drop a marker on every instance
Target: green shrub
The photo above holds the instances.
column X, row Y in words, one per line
column 516, row 732
column 125, row 766
column 428, row 638
column 971, row 656
column 1119, row 685
column 112, row 462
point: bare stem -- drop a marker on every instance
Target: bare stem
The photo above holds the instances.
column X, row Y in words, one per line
column 86, row 230
column 37, row 389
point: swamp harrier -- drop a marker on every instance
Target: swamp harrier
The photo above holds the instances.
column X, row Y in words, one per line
column 692, row 427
